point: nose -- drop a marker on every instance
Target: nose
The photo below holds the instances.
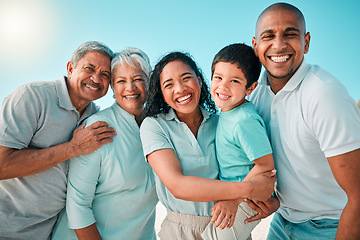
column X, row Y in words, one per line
column 223, row 85
column 130, row 85
column 96, row 78
column 180, row 87
column 279, row 43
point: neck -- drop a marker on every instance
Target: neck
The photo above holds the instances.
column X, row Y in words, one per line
column 192, row 120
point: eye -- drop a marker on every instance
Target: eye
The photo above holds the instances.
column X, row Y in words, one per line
column 120, row 81
column 217, row 78
column 235, row 81
column 105, row 75
column 268, row 36
column 139, row 79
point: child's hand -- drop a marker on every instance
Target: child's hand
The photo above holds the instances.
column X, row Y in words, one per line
column 264, row 209
column 224, row 212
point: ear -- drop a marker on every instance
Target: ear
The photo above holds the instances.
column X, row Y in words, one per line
column 69, row 68
column 253, row 41
column 307, row 43
column 200, row 82
column 251, row 88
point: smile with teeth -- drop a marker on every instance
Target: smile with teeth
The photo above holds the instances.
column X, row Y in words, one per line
column 221, row 96
column 279, row 59
column 184, row 98
column 132, row 96
column 92, row 87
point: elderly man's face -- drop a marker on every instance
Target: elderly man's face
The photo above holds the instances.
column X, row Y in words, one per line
column 89, row 79
column 280, row 43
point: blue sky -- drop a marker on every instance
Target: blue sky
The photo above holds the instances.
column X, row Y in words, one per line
column 38, row 37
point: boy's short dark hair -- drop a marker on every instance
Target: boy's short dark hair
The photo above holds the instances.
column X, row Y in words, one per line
column 242, row 55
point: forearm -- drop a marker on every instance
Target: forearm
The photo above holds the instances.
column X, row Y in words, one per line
column 349, row 224
column 199, row 189
column 18, row 163
column 88, row 233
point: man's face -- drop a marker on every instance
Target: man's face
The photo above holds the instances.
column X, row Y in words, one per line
column 280, row 43
column 89, row 79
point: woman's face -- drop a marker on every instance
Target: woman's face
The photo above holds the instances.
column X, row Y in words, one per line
column 181, row 87
column 130, row 88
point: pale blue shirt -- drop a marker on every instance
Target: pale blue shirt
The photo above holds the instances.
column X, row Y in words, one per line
column 196, row 155
column 113, row 186
column 310, row 119
column 36, row 115
column 241, row 138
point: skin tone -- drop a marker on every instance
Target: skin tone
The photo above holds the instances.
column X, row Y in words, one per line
column 280, row 43
column 228, row 89
column 181, row 90
column 280, row 33
column 129, row 85
column 84, row 85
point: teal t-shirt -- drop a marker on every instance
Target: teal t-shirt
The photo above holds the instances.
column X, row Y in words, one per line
column 240, row 139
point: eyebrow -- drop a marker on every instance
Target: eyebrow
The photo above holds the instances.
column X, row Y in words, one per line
column 181, row 75
column 289, row 29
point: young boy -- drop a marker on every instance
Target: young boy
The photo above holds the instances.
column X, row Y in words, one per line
column 242, row 145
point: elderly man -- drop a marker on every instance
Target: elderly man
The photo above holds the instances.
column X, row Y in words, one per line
column 38, row 135
column 314, row 127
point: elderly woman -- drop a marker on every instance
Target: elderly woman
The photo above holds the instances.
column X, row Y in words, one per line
column 178, row 136
column 111, row 192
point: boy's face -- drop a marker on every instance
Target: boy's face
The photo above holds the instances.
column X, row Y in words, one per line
column 228, row 86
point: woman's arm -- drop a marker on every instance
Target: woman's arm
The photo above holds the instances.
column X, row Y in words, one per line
column 88, row 233
column 166, row 165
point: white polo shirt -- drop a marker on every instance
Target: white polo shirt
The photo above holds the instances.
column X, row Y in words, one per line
column 310, row 119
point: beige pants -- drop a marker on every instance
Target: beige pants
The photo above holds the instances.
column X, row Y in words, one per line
column 177, row 226
column 239, row 231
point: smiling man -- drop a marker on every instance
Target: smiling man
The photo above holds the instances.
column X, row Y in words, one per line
column 39, row 126
column 314, row 128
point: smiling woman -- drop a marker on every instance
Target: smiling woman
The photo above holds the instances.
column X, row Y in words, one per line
column 24, row 28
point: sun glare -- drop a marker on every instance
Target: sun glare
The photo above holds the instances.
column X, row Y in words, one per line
column 25, row 27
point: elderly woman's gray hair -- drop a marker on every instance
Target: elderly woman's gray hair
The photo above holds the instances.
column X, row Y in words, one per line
column 89, row 47
column 131, row 56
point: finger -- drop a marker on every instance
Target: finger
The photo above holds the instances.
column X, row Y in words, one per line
column 232, row 220
column 254, row 218
column 215, row 215
column 271, row 173
column 252, row 205
column 99, row 124
column 225, row 221
column 219, row 220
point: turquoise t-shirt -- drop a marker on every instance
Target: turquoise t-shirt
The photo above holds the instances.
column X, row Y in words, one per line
column 196, row 155
column 240, row 139
column 112, row 186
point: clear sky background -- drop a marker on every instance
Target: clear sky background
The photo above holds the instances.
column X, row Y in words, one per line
column 37, row 37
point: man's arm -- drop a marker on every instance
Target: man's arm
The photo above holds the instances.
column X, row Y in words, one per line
column 22, row 162
column 88, row 233
column 346, row 169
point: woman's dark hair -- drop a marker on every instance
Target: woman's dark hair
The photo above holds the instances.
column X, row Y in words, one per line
column 156, row 104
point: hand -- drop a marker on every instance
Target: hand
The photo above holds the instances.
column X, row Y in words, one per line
column 264, row 209
column 224, row 212
column 262, row 186
column 87, row 140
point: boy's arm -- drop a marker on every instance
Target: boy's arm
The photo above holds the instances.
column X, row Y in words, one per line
column 262, row 165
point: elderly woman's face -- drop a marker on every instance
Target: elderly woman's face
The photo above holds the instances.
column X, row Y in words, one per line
column 130, row 88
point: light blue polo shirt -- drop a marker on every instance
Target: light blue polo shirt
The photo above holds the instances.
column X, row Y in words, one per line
column 113, row 186
column 241, row 138
column 36, row 115
column 196, row 155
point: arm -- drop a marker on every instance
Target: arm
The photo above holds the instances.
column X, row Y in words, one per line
column 88, row 233
column 346, row 168
column 167, row 166
column 262, row 165
column 22, row 162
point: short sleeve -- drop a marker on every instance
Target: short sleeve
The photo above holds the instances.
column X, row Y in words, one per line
column 84, row 172
column 251, row 136
column 19, row 117
column 153, row 136
column 334, row 119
